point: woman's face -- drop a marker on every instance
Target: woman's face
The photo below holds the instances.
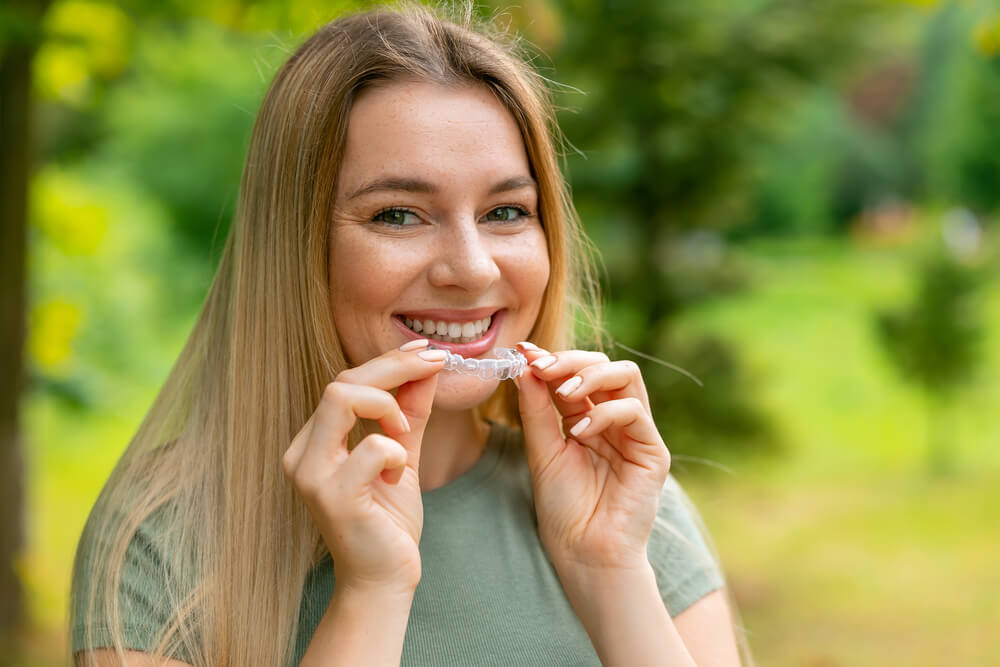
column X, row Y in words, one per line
column 436, row 222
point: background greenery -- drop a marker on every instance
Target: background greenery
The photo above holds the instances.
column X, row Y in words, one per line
column 796, row 202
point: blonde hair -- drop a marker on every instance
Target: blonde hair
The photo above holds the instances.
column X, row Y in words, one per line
column 205, row 462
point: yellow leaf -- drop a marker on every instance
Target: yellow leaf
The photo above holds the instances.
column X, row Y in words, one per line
column 54, row 325
column 61, row 73
column 68, row 213
column 986, row 37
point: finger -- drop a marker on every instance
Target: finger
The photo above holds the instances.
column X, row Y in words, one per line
column 290, row 460
column 396, row 367
column 542, row 434
column 373, row 455
column 556, row 368
column 340, row 407
column 415, row 399
column 639, row 440
column 551, row 365
column 622, row 377
column 413, row 369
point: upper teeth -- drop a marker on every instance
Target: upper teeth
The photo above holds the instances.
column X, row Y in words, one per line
column 440, row 330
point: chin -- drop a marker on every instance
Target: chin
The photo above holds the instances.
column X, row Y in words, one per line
column 462, row 392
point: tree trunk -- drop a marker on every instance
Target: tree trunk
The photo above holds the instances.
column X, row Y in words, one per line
column 15, row 159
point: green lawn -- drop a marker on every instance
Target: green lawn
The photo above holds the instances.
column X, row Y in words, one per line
column 845, row 550
column 841, row 549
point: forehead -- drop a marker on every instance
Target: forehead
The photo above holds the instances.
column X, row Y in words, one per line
column 438, row 132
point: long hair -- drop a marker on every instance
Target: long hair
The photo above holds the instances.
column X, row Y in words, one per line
column 233, row 540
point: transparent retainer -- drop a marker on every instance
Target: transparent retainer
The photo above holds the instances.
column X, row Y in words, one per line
column 509, row 363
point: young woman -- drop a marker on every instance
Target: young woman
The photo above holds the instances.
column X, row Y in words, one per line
column 312, row 488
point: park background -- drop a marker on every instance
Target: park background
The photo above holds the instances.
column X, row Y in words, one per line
column 796, row 202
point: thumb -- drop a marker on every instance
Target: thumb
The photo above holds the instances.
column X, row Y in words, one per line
column 543, row 439
column 415, row 399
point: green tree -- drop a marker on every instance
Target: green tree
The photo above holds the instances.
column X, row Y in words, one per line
column 678, row 100
column 935, row 341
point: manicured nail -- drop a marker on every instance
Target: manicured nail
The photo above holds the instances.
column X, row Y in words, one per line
column 414, row 345
column 406, row 422
column 580, row 427
column 569, row 386
column 544, row 362
column 433, row 355
column 528, row 346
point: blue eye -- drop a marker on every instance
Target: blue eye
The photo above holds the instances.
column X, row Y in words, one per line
column 505, row 214
column 396, row 217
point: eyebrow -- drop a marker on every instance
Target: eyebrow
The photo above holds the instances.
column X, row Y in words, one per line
column 396, row 184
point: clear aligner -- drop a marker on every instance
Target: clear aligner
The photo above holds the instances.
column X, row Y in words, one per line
column 509, row 363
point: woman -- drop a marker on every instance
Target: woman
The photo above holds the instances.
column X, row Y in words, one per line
column 402, row 176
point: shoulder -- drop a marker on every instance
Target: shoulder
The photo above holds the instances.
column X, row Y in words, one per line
column 125, row 582
column 678, row 550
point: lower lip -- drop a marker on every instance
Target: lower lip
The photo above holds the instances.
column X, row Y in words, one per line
column 473, row 349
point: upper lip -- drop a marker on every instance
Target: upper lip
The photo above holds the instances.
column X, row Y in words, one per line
column 449, row 315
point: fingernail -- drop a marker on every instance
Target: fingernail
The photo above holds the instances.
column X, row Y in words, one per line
column 517, row 383
column 569, row 386
column 528, row 346
column 433, row 355
column 580, row 427
column 406, row 422
column 414, row 345
column 544, row 362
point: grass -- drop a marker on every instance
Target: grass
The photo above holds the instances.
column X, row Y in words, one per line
column 841, row 550
column 846, row 550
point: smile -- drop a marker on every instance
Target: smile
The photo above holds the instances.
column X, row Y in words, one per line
column 450, row 332
column 468, row 333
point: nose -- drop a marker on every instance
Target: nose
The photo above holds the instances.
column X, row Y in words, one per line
column 464, row 259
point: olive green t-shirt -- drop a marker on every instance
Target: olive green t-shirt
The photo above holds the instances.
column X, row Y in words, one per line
column 488, row 594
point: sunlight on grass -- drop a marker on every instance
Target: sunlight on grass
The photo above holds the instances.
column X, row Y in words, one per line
column 844, row 550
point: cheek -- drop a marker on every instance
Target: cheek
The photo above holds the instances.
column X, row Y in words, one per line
column 368, row 277
column 529, row 270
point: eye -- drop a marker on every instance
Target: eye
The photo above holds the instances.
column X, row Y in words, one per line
column 396, row 217
column 505, row 214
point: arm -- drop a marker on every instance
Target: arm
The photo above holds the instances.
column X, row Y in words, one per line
column 707, row 630
column 625, row 618
column 628, row 623
column 360, row 628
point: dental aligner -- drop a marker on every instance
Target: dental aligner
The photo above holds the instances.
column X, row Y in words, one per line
column 509, row 363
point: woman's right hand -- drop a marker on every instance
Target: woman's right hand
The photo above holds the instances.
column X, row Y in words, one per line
column 366, row 501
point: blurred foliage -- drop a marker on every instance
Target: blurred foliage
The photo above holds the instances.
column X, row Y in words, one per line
column 937, row 339
column 914, row 124
column 678, row 100
column 934, row 340
column 179, row 127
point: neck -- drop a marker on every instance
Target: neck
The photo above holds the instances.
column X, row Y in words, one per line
column 453, row 442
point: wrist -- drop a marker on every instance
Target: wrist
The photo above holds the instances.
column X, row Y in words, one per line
column 593, row 586
column 361, row 626
column 399, row 587
column 370, row 590
column 631, row 565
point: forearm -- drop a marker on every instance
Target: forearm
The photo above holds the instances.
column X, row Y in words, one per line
column 625, row 617
column 360, row 628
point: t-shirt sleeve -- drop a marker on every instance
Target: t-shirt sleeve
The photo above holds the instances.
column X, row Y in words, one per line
column 684, row 566
column 143, row 596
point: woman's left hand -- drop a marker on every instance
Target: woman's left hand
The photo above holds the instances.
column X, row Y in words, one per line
column 597, row 489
